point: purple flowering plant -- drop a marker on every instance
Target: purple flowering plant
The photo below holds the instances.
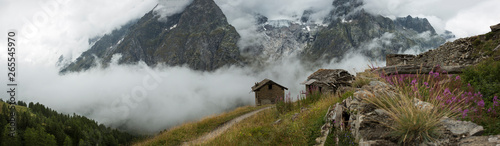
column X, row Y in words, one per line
column 447, row 88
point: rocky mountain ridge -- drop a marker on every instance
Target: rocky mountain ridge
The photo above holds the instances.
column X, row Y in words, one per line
column 199, row 37
column 353, row 29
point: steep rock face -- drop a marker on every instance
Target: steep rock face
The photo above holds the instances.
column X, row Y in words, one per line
column 350, row 27
column 199, row 37
column 282, row 38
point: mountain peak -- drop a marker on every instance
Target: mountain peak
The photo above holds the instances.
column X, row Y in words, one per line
column 199, row 37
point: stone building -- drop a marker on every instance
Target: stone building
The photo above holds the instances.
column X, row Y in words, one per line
column 267, row 91
column 328, row 80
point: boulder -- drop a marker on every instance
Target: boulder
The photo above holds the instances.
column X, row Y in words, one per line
column 461, row 128
column 422, row 105
column 492, row 140
column 339, row 109
column 377, row 143
column 365, row 119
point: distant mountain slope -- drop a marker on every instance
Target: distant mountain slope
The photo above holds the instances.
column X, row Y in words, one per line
column 350, row 27
column 199, row 37
column 347, row 28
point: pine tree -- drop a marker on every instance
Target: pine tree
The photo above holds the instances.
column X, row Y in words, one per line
column 38, row 137
column 8, row 140
column 67, row 141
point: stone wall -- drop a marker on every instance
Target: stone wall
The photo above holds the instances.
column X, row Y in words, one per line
column 457, row 53
column 268, row 96
column 321, row 87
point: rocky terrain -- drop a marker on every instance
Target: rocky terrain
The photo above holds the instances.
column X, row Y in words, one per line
column 451, row 56
column 366, row 121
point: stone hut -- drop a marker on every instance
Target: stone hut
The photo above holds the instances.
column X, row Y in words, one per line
column 328, row 80
column 266, row 91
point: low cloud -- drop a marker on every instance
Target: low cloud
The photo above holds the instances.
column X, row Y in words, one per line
column 167, row 8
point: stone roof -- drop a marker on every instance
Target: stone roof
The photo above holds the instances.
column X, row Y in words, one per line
column 329, row 76
column 261, row 84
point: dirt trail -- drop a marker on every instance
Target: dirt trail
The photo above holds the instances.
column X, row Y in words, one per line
column 222, row 128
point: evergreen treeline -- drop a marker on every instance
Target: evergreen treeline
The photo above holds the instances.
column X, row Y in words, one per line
column 40, row 125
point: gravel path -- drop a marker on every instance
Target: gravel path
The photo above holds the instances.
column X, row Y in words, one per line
column 222, row 128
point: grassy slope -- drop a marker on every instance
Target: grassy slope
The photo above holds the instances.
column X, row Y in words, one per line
column 18, row 108
column 190, row 131
column 261, row 130
column 255, row 130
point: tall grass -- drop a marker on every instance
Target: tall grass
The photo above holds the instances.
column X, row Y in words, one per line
column 360, row 82
column 450, row 88
column 413, row 123
column 286, row 104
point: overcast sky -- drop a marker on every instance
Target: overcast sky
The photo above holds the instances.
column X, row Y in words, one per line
column 50, row 28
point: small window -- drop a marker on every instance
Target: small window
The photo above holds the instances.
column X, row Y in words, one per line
column 269, row 86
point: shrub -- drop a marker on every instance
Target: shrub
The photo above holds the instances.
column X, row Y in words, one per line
column 360, row 82
column 346, row 95
column 285, row 104
column 485, row 78
column 448, row 88
column 412, row 123
column 340, row 138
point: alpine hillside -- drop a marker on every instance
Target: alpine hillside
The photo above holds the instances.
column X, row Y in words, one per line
column 200, row 37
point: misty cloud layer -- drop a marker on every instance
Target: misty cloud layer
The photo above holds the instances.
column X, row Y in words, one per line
column 167, row 8
column 145, row 100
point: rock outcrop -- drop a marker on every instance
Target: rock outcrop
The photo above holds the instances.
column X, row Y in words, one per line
column 368, row 123
column 495, row 27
